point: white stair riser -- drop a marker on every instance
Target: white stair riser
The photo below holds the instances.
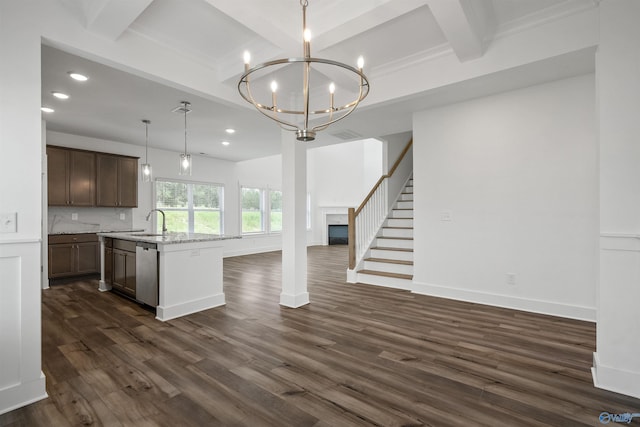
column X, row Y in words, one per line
column 399, row 222
column 404, row 205
column 397, row 232
column 394, row 243
column 406, row 197
column 389, row 282
column 388, row 267
column 387, row 254
column 401, row 213
column 408, row 190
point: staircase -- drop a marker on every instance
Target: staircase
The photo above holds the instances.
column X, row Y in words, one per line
column 389, row 261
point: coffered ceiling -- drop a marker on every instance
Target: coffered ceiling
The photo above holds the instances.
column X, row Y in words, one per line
column 405, row 44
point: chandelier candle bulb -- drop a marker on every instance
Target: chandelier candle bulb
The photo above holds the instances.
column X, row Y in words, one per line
column 247, row 60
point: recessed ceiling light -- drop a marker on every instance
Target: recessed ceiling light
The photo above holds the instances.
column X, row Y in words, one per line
column 60, row 95
column 225, row 143
column 229, row 130
column 78, row 77
column 47, row 109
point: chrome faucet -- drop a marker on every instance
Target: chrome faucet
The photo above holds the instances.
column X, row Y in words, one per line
column 164, row 225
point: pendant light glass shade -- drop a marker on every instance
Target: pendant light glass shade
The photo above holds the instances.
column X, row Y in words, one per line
column 145, row 169
column 185, row 158
column 185, row 164
column 146, row 172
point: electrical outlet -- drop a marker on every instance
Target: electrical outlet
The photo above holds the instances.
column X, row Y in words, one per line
column 9, row 222
column 122, row 217
column 511, row 279
column 445, row 216
column 74, row 216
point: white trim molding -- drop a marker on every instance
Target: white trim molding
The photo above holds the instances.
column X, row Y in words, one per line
column 21, row 379
column 506, row 301
column 616, row 362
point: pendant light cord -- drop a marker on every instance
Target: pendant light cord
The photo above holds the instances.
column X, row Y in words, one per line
column 185, row 127
column 146, row 142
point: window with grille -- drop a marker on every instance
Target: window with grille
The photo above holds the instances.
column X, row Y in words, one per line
column 192, row 207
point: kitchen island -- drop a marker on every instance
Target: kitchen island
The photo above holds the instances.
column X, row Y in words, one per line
column 187, row 271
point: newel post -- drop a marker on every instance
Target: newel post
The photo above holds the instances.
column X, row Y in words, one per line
column 352, row 238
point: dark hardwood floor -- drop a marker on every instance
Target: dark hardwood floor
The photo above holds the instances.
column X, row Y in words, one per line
column 357, row 355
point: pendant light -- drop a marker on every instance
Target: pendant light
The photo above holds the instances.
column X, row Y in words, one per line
column 146, row 166
column 185, row 158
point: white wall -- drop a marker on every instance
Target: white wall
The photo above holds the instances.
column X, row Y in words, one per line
column 518, row 173
column 21, row 378
column 339, row 177
column 617, row 361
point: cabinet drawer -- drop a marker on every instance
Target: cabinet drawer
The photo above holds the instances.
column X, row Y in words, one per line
column 125, row 245
column 72, row 238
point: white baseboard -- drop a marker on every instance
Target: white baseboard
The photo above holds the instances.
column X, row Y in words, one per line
column 23, row 394
column 505, row 301
column 614, row 379
column 189, row 307
column 294, row 301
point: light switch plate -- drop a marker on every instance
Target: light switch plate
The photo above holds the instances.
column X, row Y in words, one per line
column 74, row 216
column 9, row 222
column 122, row 217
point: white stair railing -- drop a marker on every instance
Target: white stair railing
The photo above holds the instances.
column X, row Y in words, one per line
column 366, row 220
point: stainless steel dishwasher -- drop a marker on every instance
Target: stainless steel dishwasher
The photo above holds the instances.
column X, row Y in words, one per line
column 147, row 273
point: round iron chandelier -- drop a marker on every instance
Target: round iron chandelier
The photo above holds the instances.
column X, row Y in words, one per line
column 302, row 112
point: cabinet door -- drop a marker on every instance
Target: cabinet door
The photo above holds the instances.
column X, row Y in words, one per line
column 82, row 178
column 128, row 182
column 88, row 258
column 119, row 269
column 61, row 260
column 57, row 176
column 124, row 271
column 107, row 180
column 130, row 283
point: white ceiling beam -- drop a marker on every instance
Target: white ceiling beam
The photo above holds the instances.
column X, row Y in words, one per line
column 111, row 18
column 464, row 24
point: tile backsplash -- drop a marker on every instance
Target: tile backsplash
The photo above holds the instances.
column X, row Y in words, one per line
column 82, row 220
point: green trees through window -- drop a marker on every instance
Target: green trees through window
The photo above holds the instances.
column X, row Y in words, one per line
column 261, row 210
column 190, row 207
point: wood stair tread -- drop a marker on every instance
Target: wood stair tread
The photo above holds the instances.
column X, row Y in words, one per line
column 397, row 238
column 385, row 274
column 384, row 248
column 390, row 261
column 397, row 228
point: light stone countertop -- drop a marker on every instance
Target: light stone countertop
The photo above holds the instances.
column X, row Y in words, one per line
column 137, row 230
column 167, row 238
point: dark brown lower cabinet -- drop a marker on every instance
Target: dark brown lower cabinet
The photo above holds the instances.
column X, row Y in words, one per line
column 124, row 267
column 73, row 255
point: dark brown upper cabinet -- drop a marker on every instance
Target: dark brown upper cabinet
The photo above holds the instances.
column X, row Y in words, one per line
column 71, row 177
column 117, row 181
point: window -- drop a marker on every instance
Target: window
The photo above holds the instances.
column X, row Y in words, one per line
column 275, row 210
column 190, row 206
column 252, row 210
column 261, row 210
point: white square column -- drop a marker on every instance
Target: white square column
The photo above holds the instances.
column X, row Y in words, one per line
column 294, row 222
column 616, row 363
